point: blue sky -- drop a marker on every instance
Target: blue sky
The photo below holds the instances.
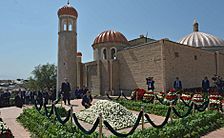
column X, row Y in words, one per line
column 28, row 34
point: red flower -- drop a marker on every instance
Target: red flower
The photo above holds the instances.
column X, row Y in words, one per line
column 171, row 97
column 198, row 100
column 185, row 98
column 140, row 93
column 213, row 98
column 172, row 90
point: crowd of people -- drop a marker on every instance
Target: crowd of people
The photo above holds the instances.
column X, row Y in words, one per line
column 5, row 98
column 49, row 95
column 29, row 97
column 45, row 96
column 20, row 97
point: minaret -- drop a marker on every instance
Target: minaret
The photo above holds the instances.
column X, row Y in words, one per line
column 67, row 46
column 195, row 26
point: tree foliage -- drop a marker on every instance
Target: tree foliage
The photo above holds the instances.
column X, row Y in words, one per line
column 43, row 76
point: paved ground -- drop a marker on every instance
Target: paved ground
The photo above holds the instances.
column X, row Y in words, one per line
column 10, row 114
column 215, row 134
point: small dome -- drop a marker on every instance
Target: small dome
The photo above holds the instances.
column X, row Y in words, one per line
column 200, row 39
column 110, row 36
column 68, row 10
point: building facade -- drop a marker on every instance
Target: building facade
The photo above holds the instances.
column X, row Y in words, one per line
column 120, row 64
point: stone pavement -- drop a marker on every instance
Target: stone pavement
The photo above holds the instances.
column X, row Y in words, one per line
column 9, row 116
column 219, row 133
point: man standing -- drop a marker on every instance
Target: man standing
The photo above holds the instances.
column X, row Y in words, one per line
column 177, row 84
column 65, row 89
column 205, row 85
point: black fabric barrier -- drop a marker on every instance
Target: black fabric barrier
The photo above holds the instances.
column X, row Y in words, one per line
column 186, row 104
column 148, row 101
column 36, row 106
column 59, row 118
column 47, row 113
column 202, row 107
column 83, row 129
column 163, row 123
column 125, row 97
column 121, row 134
column 160, row 100
column 175, row 101
column 184, row 115
column 108, row 96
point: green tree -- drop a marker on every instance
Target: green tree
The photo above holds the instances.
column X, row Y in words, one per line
column 43, row 76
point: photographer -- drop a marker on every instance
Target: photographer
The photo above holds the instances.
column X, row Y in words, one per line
column 150, row 82
column 87, row 100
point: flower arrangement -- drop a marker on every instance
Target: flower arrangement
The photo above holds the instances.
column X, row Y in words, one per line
column 114, row 113
column 140, row 93
column 198, row 99
column 171, row 96
column 161, row 95
column 148, row 95
column 186, row 97
column 5, row 132
column 214, row 101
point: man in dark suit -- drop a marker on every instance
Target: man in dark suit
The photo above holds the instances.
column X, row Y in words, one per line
column 150, row 82
column 65, row 89
column 177, row 84
column 205, row 85
column 87, row 100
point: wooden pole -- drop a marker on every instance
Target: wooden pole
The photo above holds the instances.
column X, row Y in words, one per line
column 101, row 126
column 53, row 104
column 171, row 116
column 154, row 97
column 61, row 99
column 193, row 107
column 136, row 95
column 208, row 108
column 142, row 109
column 71, row 113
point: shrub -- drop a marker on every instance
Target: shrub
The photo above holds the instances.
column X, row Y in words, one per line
column 41, row 126
column 192, row 126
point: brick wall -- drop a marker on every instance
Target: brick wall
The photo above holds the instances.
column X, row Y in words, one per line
column 221, row 65
column 138, row 63
column 91, row 79
column 104, row 76
column 188, row 63
column 115, row 77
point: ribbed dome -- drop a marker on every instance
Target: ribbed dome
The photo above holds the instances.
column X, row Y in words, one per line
column 200, row 39
column 110, row 36
column 68, row 10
